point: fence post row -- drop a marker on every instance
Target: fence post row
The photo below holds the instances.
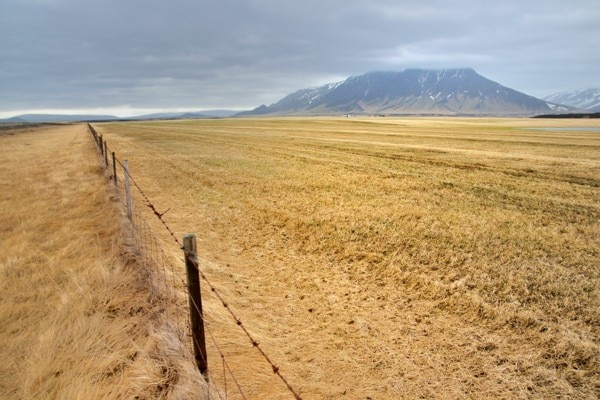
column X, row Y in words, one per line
column 104, row 150
column 195, row 300
column 127, row 189
column 192, row 270
column 191, row 262
column 91, row 128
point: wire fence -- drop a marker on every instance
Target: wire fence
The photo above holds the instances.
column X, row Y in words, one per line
column 174, row 307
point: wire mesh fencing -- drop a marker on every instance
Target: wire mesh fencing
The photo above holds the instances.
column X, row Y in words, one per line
column 173, row 304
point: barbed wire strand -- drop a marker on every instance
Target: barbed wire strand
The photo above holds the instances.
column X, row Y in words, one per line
column 221, row 354
column 239, row 322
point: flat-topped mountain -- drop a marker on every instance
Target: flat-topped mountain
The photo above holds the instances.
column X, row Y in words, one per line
column 413, row 91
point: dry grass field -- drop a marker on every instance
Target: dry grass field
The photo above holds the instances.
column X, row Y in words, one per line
column 76, row 312
column 390, row 258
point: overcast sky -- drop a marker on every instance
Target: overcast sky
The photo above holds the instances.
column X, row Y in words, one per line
column 129, row 56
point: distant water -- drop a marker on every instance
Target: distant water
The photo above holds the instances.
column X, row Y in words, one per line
column 567, row 128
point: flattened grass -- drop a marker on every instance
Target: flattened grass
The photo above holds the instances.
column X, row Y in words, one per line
column 441, row 258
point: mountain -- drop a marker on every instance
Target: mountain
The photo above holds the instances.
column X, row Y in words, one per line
column 588, row 99
column 413, row 91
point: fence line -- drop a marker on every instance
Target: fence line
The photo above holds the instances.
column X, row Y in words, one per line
column 152, row 255
column 166, row 285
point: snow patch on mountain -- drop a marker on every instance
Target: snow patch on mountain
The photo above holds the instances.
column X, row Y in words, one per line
column 557, row 107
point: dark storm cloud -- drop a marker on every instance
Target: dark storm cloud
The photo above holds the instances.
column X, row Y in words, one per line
column 190, row 53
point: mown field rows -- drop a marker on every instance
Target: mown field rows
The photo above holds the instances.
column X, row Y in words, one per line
column 389, row 258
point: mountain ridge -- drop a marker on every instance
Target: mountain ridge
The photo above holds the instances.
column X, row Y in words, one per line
column 586, row 99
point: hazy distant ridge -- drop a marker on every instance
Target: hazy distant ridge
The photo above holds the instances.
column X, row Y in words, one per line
column 37, row 118
column 57, row 118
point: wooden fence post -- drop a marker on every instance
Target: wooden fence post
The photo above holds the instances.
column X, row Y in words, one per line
column 195, row 300
column 127, row 189
column 114, row 167
column 105, row 155
column 101, row 144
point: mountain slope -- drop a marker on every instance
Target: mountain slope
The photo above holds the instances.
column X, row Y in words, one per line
column 413, row 91
column 588, row 99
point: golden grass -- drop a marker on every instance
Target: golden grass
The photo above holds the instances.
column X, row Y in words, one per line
column 76, row 315
column 390, row 258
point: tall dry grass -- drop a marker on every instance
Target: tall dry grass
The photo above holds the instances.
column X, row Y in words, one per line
column 76, row 313
column 391, row 258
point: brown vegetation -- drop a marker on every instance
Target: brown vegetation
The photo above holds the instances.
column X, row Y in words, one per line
column 390, row 258
column 76, row 313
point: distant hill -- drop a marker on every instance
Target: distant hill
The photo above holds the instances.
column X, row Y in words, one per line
column 219, row 113
column 37, row 118
column 194, row 115
column 166, row 115
column 588, row 99
column 40, row 118
column 188, row 115
column 14, row 120
column 413, row 91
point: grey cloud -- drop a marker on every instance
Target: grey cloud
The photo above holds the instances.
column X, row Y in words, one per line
column 184, row 53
